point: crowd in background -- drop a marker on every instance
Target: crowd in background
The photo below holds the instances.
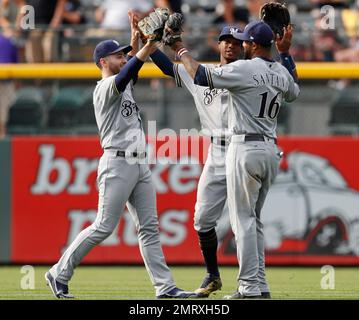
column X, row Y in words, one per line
column 316, row 38
column 68, row 30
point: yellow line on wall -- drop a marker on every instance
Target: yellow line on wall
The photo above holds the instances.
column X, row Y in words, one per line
column 306, row 70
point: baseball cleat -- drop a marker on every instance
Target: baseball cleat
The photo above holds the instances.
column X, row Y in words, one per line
column 238, row 295
column 266, row 295
column 59, row 290
column 209, row 285
column 177, row 293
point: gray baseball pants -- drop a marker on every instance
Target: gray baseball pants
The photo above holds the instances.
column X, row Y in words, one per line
column 251, row 169
column 120, row 182
column 211, row 190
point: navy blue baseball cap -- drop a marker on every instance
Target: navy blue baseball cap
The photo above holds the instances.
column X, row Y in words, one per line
column 107, row 47
column 258, row 32
column 227, row 32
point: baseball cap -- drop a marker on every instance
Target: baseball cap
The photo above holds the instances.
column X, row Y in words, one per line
column 258, row 32
column 107, row 47
column 227, row 32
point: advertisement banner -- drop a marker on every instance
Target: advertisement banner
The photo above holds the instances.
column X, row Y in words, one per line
column 311, row 215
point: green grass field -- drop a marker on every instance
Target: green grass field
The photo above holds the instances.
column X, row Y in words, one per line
column 133, row 283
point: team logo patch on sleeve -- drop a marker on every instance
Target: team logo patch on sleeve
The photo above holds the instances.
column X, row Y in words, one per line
column 217, row 71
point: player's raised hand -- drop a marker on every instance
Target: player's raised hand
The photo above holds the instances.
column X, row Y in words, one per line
column 136, row 34
column 283, row 43
column 133, row 18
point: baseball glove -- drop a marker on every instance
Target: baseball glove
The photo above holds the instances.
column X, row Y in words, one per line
column 276, row 15
column 173, row 29
column 152, row 26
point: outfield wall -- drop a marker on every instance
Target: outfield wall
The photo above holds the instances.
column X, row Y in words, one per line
column 49, row 194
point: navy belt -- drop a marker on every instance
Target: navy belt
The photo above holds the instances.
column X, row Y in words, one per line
column 132, row 154
column 220, row 141
column 258, row 137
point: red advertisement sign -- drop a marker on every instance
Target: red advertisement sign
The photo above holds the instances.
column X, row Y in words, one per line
column 311, row 215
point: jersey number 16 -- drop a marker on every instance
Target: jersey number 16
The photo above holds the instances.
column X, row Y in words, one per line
column 273, row 108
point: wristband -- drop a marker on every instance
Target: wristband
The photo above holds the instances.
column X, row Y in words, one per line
column 287, row 60
column 181, row 52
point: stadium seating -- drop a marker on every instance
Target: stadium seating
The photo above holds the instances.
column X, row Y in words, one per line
column 283, row 119
column 86, row 121
column 27, row 114
column 345, row 112
column 65, row 108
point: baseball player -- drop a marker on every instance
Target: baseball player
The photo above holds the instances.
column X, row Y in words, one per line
column 122, row 177
column 211, row 105
column 256, row 88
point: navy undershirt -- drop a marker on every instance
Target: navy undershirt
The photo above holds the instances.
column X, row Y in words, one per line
column 128, row 73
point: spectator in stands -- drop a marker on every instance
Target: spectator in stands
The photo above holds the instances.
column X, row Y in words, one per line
column 173, row 5
column 41, row 45
column 112, row 14
column 73, row 15
column 350, row 54
column 254, row 6
column 325, row 42
column 324, row 45
column 8, row 54
column 338, row 4
column 350, row 18
column 230, row 14
column 10, row 15
column 301, row 52
column 227, row 13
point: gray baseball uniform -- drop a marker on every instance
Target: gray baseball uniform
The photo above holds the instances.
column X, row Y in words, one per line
column 120, row 180
column 212, row 108
column 257, row 88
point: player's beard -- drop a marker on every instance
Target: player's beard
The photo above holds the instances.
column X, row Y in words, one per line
column 115, row 69
column 247, row 54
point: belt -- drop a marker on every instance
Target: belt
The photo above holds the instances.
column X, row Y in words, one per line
column 219, row 140
column 131, row 154
column 252, row 137
column 124, row 154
